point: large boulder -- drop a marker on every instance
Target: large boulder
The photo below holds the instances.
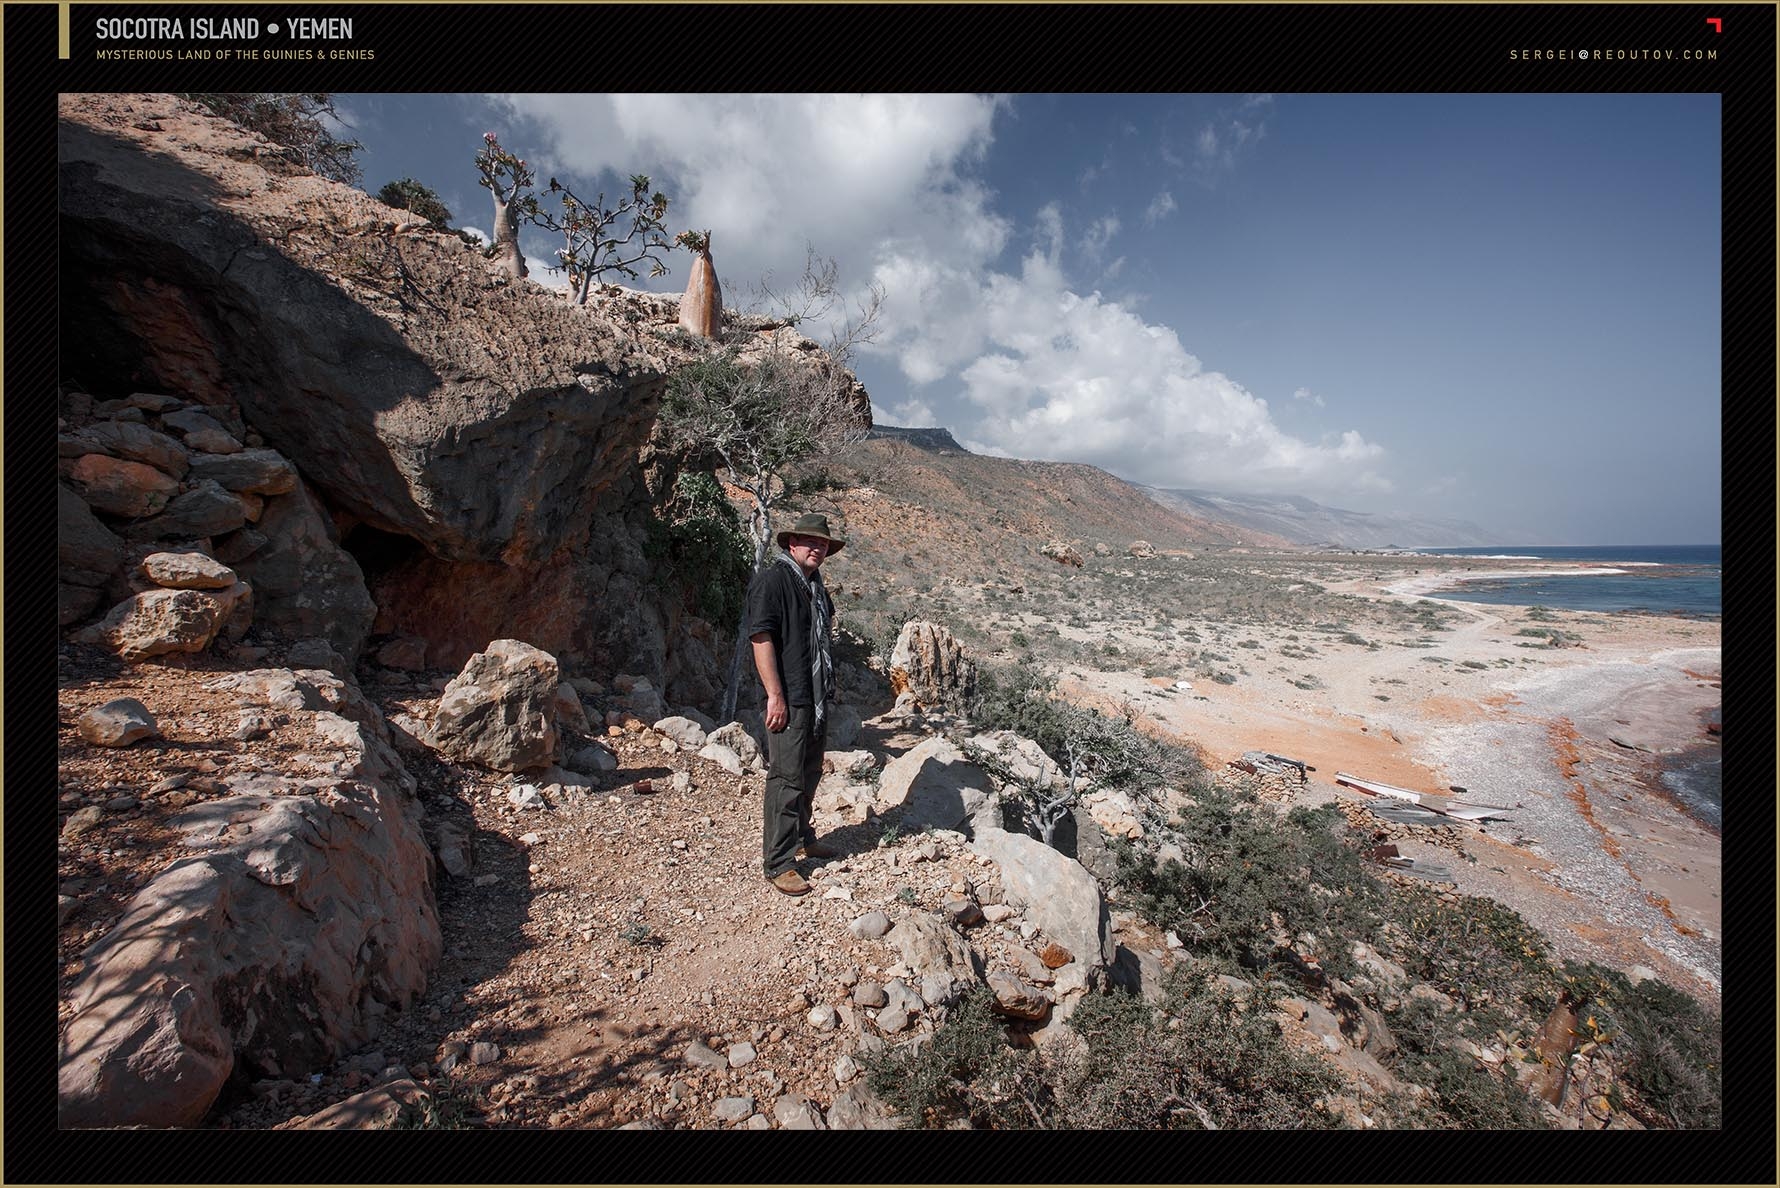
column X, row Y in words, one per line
column 137, row 443
column 89, row 556
column 1054, row 891
column 500, row 711
column 157, row 622
column 119, row 487
column 304, row 583
column 293, row 926
column 929, row 662
column 936, row 786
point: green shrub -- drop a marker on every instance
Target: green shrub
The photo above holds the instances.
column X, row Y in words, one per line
column 410, row 195
column 1466, row 1095
column 1476, row 950
column 966, row 1071
column 1241, row 866
column 1199, row 1063
column 696, row 541
column 1668, row 1049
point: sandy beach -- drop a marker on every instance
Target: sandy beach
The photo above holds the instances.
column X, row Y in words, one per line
column 1596, row 853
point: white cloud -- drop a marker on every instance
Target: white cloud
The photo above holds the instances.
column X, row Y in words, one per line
column 911, row 414
column 1307, row 394
column 482, row 236
column 1160, row 207
column 882, row 183
column 1081, row 378
column 1021, row 365
column 1228, row 135
column 1099, row 233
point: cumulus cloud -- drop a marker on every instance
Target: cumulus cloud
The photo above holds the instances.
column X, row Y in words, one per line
column 1307, row 394
column 884, row 184
column 1068, row 376
column 1160, row 207
column 1012, row 356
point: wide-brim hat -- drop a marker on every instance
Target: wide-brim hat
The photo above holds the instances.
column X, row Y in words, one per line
column 813, row 524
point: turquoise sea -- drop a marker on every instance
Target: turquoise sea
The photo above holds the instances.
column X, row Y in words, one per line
column 1656, row 579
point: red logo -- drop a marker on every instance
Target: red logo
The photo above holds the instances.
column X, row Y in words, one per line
column 1717, row 24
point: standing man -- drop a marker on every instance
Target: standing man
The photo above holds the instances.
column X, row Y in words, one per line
column 789, row 613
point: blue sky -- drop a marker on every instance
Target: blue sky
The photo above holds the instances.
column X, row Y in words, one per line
column 1501, row 308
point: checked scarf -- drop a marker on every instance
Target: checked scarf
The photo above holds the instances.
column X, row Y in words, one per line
column 821, row 657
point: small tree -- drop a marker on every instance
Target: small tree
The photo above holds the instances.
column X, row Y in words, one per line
column 509, row 179
column 410, row 195
column 301, row 123
column 757, row 419
column 591, row 246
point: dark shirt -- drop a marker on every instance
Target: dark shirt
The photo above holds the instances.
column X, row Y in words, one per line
column 779, row 605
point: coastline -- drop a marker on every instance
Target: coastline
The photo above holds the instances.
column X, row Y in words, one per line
column 1599, row 853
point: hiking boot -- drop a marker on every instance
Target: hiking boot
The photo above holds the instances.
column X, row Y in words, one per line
column 815, row 849
column 789, row 882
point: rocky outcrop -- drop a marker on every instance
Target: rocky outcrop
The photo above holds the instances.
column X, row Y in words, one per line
column 500, row 711
column 1054, row 891
column 929, row 662
column 936, row 787
column 483, row 444
column 89, row 556
column 1062, row 552
column 305, row 583
column 299, row 916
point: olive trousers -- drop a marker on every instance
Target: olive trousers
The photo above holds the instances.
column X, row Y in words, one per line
column 793, row 769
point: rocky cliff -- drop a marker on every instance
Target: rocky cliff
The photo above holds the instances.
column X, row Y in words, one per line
column 479, row 447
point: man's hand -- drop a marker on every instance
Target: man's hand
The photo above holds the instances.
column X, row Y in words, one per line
column 777, row 715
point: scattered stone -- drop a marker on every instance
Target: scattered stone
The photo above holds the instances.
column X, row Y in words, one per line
column 120, row 804
column 500, row 711
column 117, row 723
column 733, row 1109
column 869, row 994
column 760, row 1122
column 822, row 1017
column 794, row 1112
column 683, row 731
column 722, row 756
column 484, row 1052
column 700, row 1056
column 845, row 1068
column 995, row 913
column 1055, row 956
column 740, row 1055
column 82, row 820
column 187, row 571
column 963, row 912
column 1015, row 998
column 870, row 926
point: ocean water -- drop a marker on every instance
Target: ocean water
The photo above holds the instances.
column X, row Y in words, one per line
column 1657, row 579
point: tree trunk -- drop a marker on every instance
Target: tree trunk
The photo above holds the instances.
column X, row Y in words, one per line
column 701, row 307
column 506, row 240
column 760, row 524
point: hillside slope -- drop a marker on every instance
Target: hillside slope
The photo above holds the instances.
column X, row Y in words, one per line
column 915, row 501
column 1306, row 522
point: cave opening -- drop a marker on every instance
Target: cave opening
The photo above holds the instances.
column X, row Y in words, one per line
column 378, row 552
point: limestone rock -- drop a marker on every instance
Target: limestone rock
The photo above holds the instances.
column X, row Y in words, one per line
column 722, row 756
column 795, row 1112
column 500, row 711
column 187, row 571
column 928, row 946
column 1053, row 891
column 1062, row 552
column 860, row 1109
column 88, row 556
column 120, row 488
column 570, row 713
column 117, row 723
column 157, row 622
column 935, row 785
column 206, row 509
column 304, row 583
column 1016, row 999
column 1141, row 549
column 377, row 1108
column 1138, row 972
column 735, row 737
column 135, row 443
column 684, row 731
column 929, row 662
column 262, row 471
column 234, row 957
